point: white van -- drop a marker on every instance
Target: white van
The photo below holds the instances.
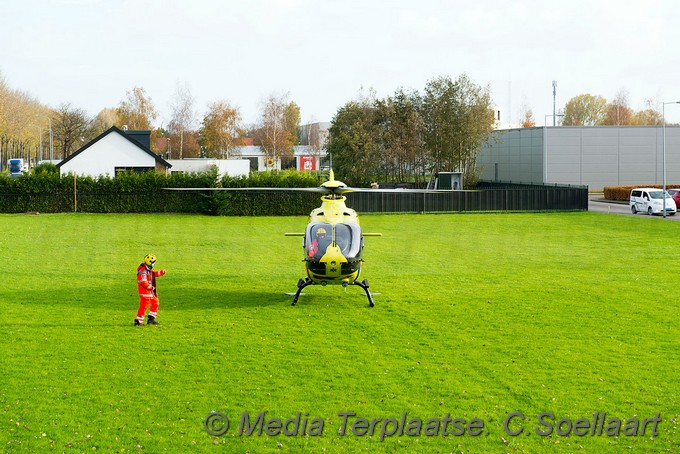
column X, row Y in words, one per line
column 650, row 201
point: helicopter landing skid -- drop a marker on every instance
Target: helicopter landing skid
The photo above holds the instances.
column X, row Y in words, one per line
column 364, row 285
column 302, row 283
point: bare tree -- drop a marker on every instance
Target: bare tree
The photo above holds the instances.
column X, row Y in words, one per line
column 618, row 113
column 183, row 115
column 312, row 137
column 278, row 131
column 527, row 116
column 71, row 126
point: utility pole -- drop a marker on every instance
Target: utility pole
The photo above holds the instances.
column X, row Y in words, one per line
column 554, row 97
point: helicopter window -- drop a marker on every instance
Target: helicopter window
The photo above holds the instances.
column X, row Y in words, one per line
column 318, row 237
column 348, row 239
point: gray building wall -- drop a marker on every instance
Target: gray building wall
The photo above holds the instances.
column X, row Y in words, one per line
column 595, row 156
column 514, row 155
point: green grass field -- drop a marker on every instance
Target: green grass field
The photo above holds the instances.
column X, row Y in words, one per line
column 479, row 316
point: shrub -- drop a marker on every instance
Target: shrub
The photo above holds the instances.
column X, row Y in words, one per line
column 45, row 167
column 622, row 193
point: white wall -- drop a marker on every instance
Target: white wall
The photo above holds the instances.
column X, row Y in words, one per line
column 102, row 157
column 231, row 167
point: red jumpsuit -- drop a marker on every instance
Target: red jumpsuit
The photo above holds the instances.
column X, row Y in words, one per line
column 146, row 286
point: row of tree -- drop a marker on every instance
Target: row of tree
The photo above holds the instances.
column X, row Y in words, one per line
column 28, row 128
column 406, row 136
column 410, row 136
column 593, row 110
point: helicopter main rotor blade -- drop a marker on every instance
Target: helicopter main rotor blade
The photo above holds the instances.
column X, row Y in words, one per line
column 320, row 189
column 326, row 190
column 401, row 191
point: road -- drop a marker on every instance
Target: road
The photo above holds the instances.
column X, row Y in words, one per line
column 597, row 204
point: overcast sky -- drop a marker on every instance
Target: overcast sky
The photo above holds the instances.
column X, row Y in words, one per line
column 91, row 52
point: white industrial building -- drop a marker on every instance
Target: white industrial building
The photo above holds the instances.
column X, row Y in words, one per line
column 596, row 156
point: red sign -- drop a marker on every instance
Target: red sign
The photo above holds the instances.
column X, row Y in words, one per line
column 307, row 163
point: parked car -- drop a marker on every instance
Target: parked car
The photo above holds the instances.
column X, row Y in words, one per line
column 675, row 193
column 651, row 201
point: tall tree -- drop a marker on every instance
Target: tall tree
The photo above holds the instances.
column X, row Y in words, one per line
column 353, row 145
column 584, row 110
column 279, row 124
column 137, row 111
column 183, row 115
column 458, row 117
column 71, row 126
column 401, row 125
column 618, row 113
column 220, row 128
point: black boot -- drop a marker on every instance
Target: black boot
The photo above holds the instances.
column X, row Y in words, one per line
column 138, row 323
column 152, row 321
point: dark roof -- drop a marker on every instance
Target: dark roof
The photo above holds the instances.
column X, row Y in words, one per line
column 122, row 133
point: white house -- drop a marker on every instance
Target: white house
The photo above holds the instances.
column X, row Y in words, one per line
column 112, row 152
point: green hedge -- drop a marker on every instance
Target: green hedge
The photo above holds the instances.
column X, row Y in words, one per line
column 48, row 192
column 622, row 193
column 126, row 193
column 267, row 203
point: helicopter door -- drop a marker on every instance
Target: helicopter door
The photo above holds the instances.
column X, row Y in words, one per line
column 348, row 239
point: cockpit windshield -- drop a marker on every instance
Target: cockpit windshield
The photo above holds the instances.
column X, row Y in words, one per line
column 348, row 238
column 320, row 235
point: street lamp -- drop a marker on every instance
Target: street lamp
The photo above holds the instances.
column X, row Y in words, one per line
column 663, row 115
column 51, row 147
column 554, row 84
column 40, row 139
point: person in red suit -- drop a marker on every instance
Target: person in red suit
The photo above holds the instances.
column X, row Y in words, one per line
column 146, row 286
column 319, row 243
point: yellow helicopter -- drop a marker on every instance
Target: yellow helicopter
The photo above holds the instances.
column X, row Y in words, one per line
column 333, row 242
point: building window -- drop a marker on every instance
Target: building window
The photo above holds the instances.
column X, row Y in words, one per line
column 253, row 163
column 288, row 163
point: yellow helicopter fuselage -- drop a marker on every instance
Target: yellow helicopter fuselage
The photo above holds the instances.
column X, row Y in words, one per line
column 337, row 258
